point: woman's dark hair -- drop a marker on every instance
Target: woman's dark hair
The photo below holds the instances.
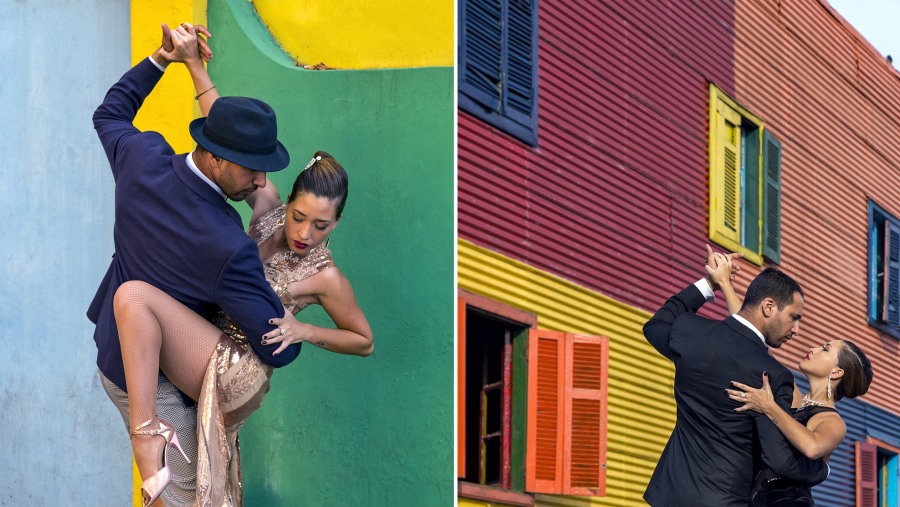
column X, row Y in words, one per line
column 771, row 283
column 324, row 177
column 857, row 372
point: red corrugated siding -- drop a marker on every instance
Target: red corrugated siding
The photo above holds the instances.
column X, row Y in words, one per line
column 614, row 198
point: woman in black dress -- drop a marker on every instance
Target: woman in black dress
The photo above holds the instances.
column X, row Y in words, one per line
column 837, row 369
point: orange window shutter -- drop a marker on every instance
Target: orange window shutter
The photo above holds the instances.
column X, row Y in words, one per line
column 587, row 360
column 546, row 412
column 866, row 474
column 461, row 388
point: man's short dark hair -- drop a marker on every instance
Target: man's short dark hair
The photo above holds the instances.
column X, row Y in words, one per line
column 771, row 283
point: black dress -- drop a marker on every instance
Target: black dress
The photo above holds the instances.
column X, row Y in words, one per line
column 769, row 490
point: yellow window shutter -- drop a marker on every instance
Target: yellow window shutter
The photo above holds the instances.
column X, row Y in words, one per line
column 725, row 176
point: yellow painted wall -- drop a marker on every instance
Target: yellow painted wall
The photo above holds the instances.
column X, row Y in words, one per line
column 171, row 107
column 349, row 34
column 641, row 404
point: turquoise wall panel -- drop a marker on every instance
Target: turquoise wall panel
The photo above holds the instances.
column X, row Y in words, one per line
column 340, row 430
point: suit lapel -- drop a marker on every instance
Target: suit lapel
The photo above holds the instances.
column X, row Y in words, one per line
column 203, row 189
column 744, row 331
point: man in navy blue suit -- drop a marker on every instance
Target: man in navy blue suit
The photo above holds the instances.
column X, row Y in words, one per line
column 175, row 230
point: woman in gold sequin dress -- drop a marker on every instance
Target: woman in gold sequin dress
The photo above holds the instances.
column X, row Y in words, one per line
column 213, row 362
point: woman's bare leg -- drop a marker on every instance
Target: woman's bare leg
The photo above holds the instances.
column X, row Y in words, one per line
column 157, row 332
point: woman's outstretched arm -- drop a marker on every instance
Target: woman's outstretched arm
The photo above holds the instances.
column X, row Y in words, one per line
column 818, row 440
column 332, row 290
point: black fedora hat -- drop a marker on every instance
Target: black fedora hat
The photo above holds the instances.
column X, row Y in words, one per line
column 243, row 131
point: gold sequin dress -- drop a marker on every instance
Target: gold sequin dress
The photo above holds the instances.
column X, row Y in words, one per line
column 236, row 380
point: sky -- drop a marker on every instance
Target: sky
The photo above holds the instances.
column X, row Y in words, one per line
column 876, row 20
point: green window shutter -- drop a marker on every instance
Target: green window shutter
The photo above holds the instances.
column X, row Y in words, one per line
column 772, row 198
column 892, row 273
column 752, row 190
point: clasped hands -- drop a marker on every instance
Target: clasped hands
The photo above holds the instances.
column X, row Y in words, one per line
column 184, row 43
column 721, row 268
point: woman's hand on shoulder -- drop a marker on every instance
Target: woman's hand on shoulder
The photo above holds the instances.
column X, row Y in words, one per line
column 289, row 331
column 759, row 400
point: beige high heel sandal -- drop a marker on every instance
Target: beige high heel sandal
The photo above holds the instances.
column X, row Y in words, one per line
column 155, row 484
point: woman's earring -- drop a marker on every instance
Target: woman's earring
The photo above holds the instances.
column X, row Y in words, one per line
column 327, row 240
column 828, row 390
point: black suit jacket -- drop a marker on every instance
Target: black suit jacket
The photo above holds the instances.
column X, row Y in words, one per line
column 714, row 452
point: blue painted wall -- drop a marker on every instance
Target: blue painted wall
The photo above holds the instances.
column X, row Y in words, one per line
column 63, row 442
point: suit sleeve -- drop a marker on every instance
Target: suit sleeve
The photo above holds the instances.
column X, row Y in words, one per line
column 777, row 452
column 113, row 120
column 657, row 330
column 245, row 295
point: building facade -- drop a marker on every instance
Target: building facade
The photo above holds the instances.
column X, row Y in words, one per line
column 601, row 145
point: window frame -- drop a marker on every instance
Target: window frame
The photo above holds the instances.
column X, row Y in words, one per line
column 753, row 232
column 497, row 110
column 880, row 448
column 515, row 316
column 877, row 216
column 581, row 378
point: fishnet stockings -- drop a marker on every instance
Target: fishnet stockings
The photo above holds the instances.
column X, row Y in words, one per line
column 157, row 332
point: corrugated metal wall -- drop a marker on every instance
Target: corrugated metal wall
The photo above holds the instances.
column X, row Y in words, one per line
column 641, row 408
column 618, row 181
column 835, row 104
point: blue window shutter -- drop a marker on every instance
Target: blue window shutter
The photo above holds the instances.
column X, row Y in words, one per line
column 498, row 64
column 772, row 198
column 892, row 273
column 521, row 62
column 481, row 51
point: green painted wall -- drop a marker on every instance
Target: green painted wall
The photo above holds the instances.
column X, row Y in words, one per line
column 342, row 430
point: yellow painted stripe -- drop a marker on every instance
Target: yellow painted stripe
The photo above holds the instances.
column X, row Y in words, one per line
column 463, row 502
column 171, row 106
column 641, row 409
column 349, row 34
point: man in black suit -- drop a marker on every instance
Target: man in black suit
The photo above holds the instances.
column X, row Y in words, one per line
column 713, row 452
